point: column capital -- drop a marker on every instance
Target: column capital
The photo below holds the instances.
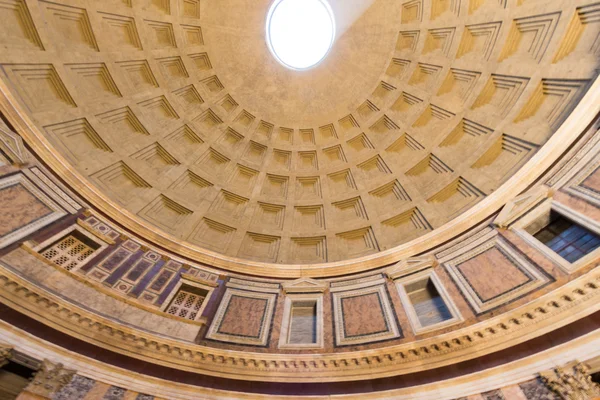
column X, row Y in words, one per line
column 5, row 354
column 50, row 379
column 571, row 381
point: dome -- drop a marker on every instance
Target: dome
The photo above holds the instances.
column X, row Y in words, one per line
column 379, row 150
column 195, row 134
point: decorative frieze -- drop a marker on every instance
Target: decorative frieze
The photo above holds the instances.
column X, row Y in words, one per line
column 575, row 299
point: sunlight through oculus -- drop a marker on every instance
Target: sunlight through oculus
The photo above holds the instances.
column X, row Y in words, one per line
column 300, row 33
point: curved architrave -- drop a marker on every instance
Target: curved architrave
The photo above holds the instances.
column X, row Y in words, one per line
column 580, row 118
column 573, row 301
column 583, row 348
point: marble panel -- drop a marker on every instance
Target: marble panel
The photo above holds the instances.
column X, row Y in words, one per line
column 243, row 317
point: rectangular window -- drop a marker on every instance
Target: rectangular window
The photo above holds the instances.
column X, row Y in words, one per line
column 70, row 251
column 187, row 303
column 303, row 324
column 427, row 302
column 565, row 237
column 14, row 377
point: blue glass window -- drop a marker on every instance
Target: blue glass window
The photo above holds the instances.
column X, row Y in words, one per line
column 566, row 238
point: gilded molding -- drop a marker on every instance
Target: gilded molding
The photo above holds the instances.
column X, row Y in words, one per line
column 566, row 304
column 585, row 348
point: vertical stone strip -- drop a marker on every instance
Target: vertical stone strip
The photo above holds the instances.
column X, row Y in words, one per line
column 144, row 397
column 77, row 389
column 114, row 393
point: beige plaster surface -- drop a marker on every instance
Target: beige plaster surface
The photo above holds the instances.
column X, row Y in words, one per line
column 176, row 121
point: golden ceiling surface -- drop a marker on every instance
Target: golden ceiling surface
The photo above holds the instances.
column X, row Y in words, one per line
column 173, row 117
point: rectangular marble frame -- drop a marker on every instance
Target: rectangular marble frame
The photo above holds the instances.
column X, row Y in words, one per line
column 286, row 323
column 569, row 213
column 413, row 318
column 265, row 324
column 536, row 277
column 42, row 179
column 341, row 339
column 33, row 226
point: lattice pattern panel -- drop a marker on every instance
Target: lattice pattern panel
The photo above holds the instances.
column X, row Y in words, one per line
column 186, row 305
column 68, row 253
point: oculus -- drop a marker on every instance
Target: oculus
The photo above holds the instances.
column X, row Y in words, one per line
column 300, row 33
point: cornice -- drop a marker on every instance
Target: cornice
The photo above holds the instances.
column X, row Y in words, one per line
column 586, row 347
column 564, row 137
column 564, row 305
